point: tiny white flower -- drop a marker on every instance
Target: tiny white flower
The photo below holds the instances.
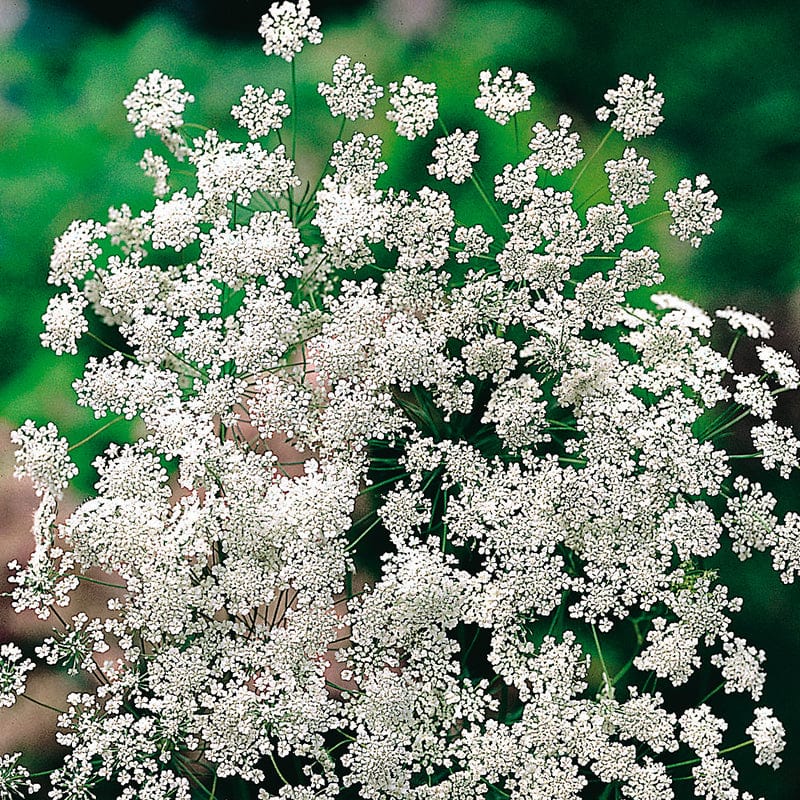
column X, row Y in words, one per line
column 556, row 150
column 629, row 178
column 751, row 324
column 767, row 734
column 64, row 323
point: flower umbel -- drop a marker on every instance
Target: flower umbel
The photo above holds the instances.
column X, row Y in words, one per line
column 415, row 107
column 693, row 210
column 287, row 26
column 635, row 105
column 423, row 492
column 43, row 457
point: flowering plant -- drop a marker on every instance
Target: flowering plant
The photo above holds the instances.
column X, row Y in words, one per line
column 421, row 509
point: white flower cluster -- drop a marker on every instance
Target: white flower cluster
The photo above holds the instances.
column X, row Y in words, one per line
column 693, row 210
column 260, row 113
column 415, row 107
column 557, row 150
column 635, row 105
column 353, row 92
column 286, row 26
column 629, row 178
column 13, row 674
column 43, row 457
column 156, row 104
column 454, row 156
column 15, row 779
column 420, row 510
column 500, row 97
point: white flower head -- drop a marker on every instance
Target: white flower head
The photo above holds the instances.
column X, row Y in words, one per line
column 175, row 221
column 636, row 107
column 226, row 169
column 556, row 150
column 286, row 27
column 629, row 178
column 454, row 156
column 750, row 324
column 156, row 167
column 43, row 457
column 500, row 97
column 64, row 323
column 475, row 240
column 157, row 103
column 74, row 252
column 15, row 780
column 353, row 92
column 607, row 225
column 778, row 447
column 780, row 364
column 768, row 735
column 516, row 184
column 261, row 113
column 13, row 674
column 518, row 411
column 682, row 313
column 415, row 107
column 693, row 210
column 522, row 467
column 751, row 392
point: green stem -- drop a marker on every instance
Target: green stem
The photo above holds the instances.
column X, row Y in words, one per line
column 111, row 347
column 96, row 433
column 338, row 138
column 692, row 761
column 181, row 764
column 444, row 523
column 294, row 109
column 272, row 757
column 606, row 679
column 652, row 216
column 714, row 431
column 101, row 583
column 42, row 774
column 736, row 339
column 735, row 747
column 712, row 693
column 189, row 364
column 624, row 669
column 371, row 526
column 590, row 159
column 496, row 788
column 43, row 705
column 373, row 486
column 477, row 183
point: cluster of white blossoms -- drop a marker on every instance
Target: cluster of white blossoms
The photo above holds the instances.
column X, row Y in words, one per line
column 420, row 510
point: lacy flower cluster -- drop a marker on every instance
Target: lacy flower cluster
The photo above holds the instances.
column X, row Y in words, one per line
column 420, row 508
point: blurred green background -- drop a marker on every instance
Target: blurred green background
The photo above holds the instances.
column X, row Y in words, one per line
column 730, row 73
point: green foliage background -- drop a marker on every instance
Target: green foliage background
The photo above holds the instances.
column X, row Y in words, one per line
column 730, row 73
